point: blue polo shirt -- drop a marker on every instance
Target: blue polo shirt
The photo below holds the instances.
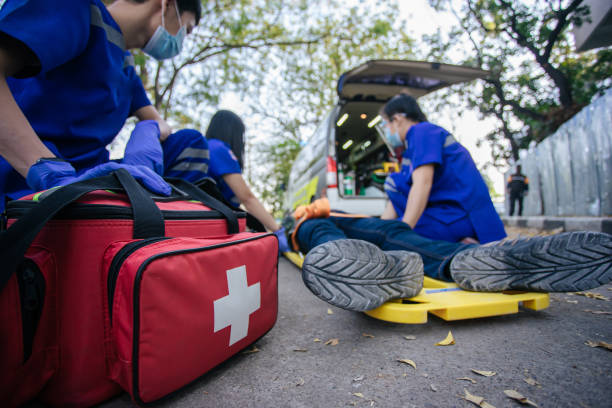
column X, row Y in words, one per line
column 81, row 86
column 223, row 161
column 458, row 188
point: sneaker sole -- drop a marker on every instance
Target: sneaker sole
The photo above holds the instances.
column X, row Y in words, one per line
column 359, row 276
column 567, row 262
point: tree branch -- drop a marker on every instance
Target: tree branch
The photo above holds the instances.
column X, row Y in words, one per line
column 499, row 91
column 561, row 81
column 562, row 22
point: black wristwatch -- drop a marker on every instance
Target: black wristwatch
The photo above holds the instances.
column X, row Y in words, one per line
column 46, row 159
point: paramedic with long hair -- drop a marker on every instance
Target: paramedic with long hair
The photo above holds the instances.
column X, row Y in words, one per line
column 225, row 135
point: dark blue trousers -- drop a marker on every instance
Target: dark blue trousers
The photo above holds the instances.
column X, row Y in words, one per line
column 387, row 235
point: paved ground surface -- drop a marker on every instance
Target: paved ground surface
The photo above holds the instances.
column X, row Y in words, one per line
column 546, row 348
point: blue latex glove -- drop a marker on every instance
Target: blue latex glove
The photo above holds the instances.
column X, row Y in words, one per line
column 144, row 148
column 52, row 173
column 283, row 245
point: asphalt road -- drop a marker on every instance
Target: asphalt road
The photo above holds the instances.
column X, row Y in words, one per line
column 292, row 369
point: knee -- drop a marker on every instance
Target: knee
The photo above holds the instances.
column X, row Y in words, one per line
column 188, row 137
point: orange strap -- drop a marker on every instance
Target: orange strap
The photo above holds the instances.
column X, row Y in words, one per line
column 317, row 209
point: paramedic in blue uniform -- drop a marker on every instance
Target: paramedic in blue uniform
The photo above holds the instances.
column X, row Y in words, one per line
column 438, row 192
column 68, row 84
column 225, row 135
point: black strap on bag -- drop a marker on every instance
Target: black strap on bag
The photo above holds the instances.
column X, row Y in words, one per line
column 205, row 198
column 14, row 242
column 209, row 186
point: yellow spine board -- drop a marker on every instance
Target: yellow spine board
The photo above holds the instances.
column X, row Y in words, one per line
column 449, row 302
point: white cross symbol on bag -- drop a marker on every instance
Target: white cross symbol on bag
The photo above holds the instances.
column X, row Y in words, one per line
column 235, row 308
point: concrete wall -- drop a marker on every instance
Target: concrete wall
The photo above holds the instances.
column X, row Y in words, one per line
column 570, row 172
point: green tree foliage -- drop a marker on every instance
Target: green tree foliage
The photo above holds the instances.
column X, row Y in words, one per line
column 537, row 81
column 283, row 59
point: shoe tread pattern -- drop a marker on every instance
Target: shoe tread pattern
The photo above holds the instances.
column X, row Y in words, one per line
column 566, row 262
column 357, row 275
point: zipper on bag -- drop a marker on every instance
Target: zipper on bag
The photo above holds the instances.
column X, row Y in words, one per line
column 136, row 303
column 17, row 209
column 117, row 262
column 32, row 298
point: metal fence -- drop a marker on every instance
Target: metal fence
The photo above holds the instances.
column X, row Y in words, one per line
column 570, row 172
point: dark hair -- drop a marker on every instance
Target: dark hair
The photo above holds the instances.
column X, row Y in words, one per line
column 228, row 127
column 405, row 105
column 195, row 6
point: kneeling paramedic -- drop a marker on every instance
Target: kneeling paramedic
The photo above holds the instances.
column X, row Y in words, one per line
column 68, row 84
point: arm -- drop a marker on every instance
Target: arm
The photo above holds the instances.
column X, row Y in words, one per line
column 422, row 180
column 236, row 182
column 19, row 144
column 389, row 213
column 150, row 113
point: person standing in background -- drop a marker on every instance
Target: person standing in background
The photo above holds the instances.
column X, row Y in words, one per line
column 517, row 187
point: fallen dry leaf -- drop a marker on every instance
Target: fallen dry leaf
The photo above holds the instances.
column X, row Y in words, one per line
column 204, row 392
column 517, row 396
column 484, row 373
column 300, row 382
column 476, row 400
column 358, row 394
column 473, row 381
column 329, row 311
column 332, row 342
column 303, row 350
column 251, row 351
column 410, row 337
column 358, row 378
column 317, row 340
column 409, row 362
column 575, row 302
column 531, row 381
column 602, row 344
column 592, row 295
column 449, row 340
column 598, row 312
column 368, row 335
column 433, row 387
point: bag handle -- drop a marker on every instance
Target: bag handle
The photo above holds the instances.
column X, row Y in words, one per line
column 210, row 187
column 205, row 198
column 15, row 241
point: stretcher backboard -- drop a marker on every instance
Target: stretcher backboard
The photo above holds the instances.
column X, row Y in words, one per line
column 449, row 302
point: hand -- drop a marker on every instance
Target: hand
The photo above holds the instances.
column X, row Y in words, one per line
column 283, row 245
column 164, row 130
column 144, row 148
column 56, row 172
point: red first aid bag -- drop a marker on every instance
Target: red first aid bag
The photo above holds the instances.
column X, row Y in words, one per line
column 103, row 288
column 178, row 307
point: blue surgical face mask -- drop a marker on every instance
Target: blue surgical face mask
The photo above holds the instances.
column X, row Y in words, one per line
column 393, row 138
column 164, row 45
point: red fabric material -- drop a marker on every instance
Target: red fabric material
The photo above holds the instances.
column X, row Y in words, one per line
column 19, row 380
column 69, row 352
column 174, row 331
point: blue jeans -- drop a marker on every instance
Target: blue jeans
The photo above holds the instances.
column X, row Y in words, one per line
column 388, row 235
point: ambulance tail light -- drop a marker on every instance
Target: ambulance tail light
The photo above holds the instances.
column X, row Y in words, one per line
column 332, row 173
